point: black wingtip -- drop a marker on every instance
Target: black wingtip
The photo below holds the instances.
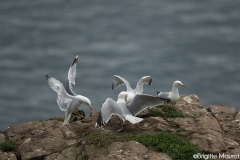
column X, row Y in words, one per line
column 112, row 85
column 150, row 82
column 47, row 76
column 75, row 60
column 157, row 92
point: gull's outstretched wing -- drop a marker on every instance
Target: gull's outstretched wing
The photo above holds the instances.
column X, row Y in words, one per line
column 109, row 108
column 142, row 101
column 63, row 99
column 68, row 88
column 139, row 87
column 118, row 81
column 72, row 72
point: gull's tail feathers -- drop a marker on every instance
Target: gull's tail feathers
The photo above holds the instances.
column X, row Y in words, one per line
column 133, row 119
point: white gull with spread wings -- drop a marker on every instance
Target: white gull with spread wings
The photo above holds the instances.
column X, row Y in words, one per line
column 139, row 103
column 67, row 100
column 118, row 81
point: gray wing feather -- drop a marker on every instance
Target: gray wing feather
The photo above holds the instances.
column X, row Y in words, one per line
column 72, row 71
column 63, row 98
column 118, row 81
column 142, row 101
column 69, row 88
column 139, row 87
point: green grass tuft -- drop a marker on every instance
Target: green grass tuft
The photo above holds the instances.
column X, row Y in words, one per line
column 174, row 145
column 74, row 117
column 167, row 111
column 8, row 146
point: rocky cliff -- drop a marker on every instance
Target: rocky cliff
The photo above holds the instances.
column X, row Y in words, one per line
column 213, row 129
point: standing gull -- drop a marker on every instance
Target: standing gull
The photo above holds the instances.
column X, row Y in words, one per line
column 67, row 102
column 139, row 103
column 70, row 81
column 173, row 96
column 118, row 81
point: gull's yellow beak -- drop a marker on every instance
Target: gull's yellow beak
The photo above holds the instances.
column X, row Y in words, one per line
column 90, row 107
column 183, row 85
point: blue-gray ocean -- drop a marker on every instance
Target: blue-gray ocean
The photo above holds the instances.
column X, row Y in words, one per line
column 197, row 42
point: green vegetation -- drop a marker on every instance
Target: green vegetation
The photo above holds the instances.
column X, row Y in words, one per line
column 167, row 111
column 174, row 145
column 8, row 146
column 76, row 115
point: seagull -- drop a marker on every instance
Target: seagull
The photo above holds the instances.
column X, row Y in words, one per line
column 172, row 96
column 70, row 81
column 118, row 81
column 127, row 112
column 65, row 101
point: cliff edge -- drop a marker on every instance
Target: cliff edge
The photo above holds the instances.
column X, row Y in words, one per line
column 213, row 129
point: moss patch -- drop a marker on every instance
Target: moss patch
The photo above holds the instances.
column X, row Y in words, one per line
column 174, row 145
column 77, row 115
column 8, row 146
column 167, row 111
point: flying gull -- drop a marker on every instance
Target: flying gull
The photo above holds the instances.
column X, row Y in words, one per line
column 173, row 96
column 118, row 81
column 139, row 103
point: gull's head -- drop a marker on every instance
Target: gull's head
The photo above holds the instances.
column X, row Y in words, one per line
column 87, row 102
column 178, row 83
